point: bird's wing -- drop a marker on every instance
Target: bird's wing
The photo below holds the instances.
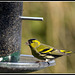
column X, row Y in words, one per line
column 45, row 49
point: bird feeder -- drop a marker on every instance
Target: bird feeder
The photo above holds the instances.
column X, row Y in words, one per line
column 10, row 40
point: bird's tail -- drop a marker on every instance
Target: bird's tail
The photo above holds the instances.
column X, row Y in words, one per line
column 69, row 52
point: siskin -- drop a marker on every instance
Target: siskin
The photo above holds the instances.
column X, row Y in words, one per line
column 45, row 52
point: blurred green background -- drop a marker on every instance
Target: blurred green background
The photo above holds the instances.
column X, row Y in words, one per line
column 57, row 29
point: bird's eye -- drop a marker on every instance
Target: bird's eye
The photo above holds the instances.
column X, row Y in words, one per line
column 30, row 42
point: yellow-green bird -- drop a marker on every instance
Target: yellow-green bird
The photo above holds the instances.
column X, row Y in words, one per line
column 45, row 52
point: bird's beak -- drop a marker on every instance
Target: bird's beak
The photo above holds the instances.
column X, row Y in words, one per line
column 27, row 43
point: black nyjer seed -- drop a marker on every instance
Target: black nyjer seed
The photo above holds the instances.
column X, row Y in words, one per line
column 10, row 27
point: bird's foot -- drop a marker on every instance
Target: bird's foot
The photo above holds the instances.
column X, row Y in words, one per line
column 48, row 63
column 39, row 61
column 43, row 61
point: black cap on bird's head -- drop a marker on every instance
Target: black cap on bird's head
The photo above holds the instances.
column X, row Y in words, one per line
column 30, row 41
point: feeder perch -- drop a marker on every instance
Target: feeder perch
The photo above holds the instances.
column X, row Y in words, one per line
column 10, row 41
column 26, row 64
column 31, row 18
